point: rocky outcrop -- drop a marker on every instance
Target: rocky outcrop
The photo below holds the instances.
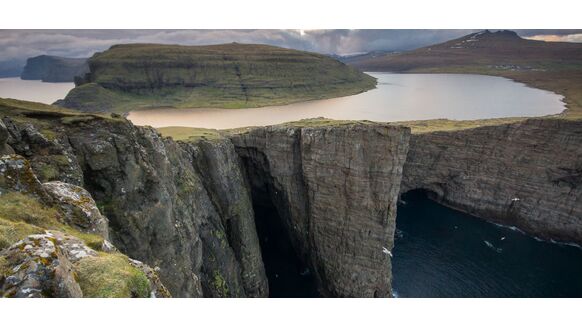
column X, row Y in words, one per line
column 54, row 264
column 16, row 175
column 37, row 267
column 335, row 189
column 527, row 175
column 163, row 206
column 80, row 209
column 5, row 149
column 54, row 69
column 40, row 253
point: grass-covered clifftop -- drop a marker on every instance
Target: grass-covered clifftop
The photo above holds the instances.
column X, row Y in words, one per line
column 127, row 77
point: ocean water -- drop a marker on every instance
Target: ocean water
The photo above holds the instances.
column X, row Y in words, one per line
column 440, row 252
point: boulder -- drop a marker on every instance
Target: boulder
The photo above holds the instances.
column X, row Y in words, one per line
column 16, row 175
column 37, row 267
column 79, row 207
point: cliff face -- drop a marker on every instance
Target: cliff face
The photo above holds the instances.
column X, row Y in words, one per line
column 161, row 209
column 335, row 189
column 525, row 174
column 126, row 77
column 186, row 208
column 54, row 69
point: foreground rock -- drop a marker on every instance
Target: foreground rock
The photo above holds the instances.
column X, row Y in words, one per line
column 36, row 267
column 81, row 210
column 50, row 238
column 57, row 265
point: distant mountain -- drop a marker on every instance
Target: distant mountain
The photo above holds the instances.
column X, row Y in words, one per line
column 372, row 54
column 555, row 66
column 232, row 75
column 502, row 50
column 54, row 69
column 11, row 68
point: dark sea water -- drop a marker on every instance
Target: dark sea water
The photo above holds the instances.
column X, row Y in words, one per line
column 440, row 252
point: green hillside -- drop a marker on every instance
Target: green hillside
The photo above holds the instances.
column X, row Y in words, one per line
column 127, row 77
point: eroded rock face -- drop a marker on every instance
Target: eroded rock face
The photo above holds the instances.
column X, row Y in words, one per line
column 525, row 174
column 5, row 149
column 335, row 188
column 158, row 290
column 37, row 267
column 51, row 159
column 221, row 174
column 81, row 210
column 46, row 265
column 160, row 208
column 17, row 175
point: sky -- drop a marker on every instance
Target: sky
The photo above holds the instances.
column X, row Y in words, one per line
column 18, row 45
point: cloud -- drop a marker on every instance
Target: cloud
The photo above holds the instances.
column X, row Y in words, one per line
column 17, row 45
column 557, row 38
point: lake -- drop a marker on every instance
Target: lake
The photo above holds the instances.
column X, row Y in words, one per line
column 398, row 97
column 440, row 252
column 44, row 92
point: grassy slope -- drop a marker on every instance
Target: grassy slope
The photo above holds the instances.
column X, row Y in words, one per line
column 551, row 66
column 182, row 133
column 126, row 77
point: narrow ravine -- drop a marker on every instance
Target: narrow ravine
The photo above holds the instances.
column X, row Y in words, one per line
column 288, row 276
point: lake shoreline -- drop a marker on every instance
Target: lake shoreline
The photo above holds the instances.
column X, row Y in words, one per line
column 371, row 105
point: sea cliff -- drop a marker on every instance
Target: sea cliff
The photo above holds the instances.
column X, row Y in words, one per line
column 184, row 209
column 54, row 69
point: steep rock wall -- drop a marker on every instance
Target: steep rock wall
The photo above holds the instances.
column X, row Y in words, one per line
column 161, row 202
column 335, row 188
column 527, row 175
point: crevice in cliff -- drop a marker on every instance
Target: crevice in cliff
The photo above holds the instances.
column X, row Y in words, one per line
column 287, row 274
column 286, row 266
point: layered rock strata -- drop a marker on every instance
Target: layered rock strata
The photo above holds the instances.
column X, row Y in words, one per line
column 335, row 188
column 527, row 174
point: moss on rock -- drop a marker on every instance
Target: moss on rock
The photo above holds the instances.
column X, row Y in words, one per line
column 111, row 275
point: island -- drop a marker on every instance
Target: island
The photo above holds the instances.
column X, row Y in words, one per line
column 234, row 75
